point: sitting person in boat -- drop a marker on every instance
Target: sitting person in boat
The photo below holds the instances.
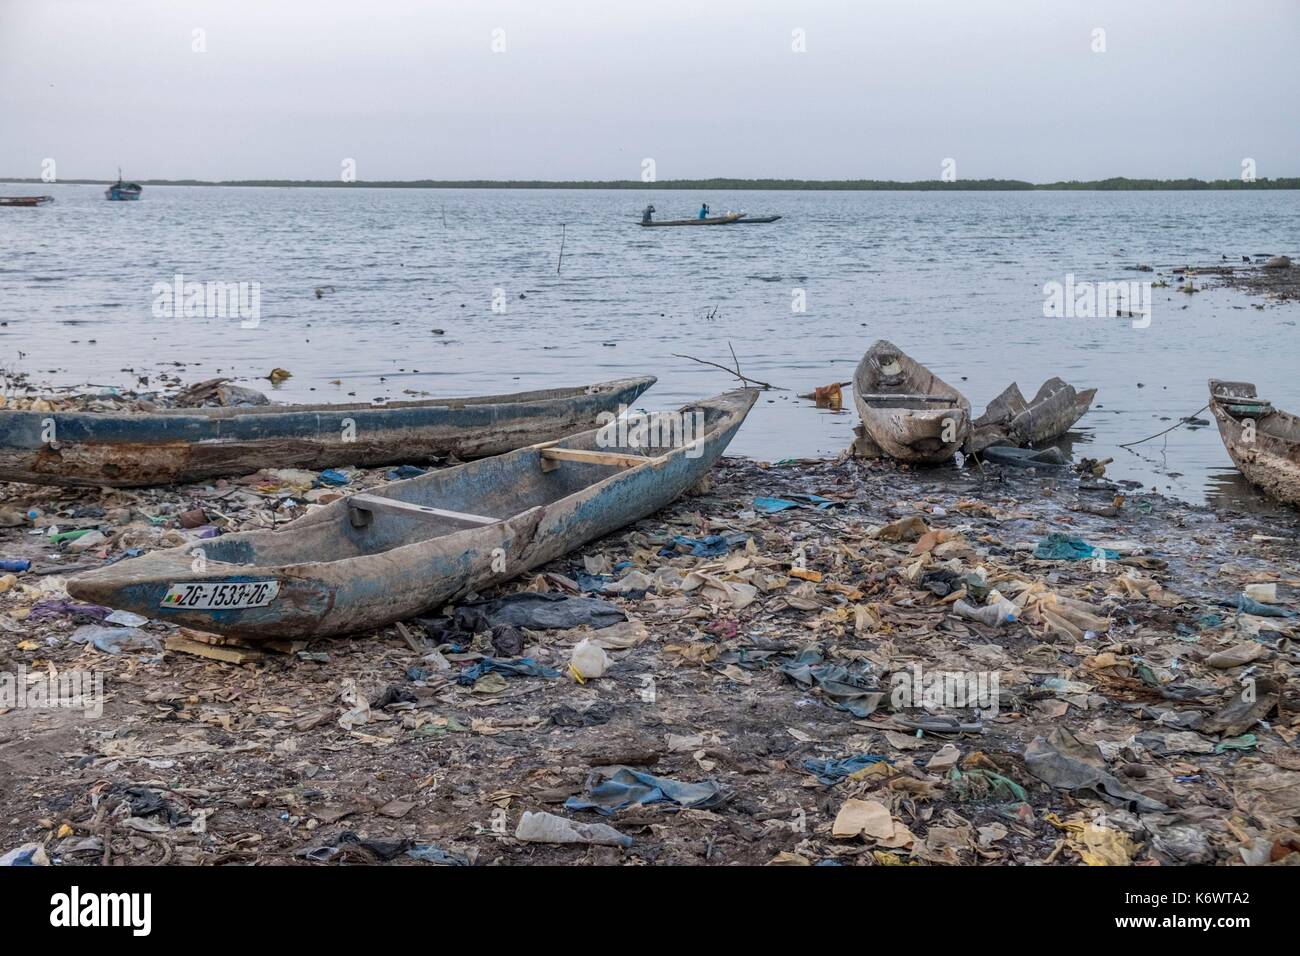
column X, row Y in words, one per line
column 647, row 214
column 704, row 211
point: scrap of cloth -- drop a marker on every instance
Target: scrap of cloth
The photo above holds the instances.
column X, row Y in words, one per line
column 773, row 505
column 1062, row 547
column 610, row 789
column 833, row 771
column 519, row 667
column 843, row 688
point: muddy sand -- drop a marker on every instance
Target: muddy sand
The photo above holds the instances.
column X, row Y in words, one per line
column 1124, row 715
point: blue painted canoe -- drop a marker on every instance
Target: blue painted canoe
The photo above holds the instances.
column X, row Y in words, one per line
column 114, row 449
column 367, row 560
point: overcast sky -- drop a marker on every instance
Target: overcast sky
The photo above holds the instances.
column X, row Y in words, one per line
column 587, row 90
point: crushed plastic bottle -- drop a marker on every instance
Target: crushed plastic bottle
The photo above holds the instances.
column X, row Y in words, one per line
column 543, row 827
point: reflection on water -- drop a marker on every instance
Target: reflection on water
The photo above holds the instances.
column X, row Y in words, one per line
column 456, row 292
column 1228, row 488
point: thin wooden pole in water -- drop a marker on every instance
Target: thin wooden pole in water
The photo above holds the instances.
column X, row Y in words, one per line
column 560, row 261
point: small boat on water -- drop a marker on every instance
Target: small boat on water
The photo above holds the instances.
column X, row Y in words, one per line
column 726, row 220
column 908, row 413
column 25, row 200
column 1263, row 441
column 123, row 192
column 746, row 220
column 126, row 449
column 406, row 549
column 1010, row 420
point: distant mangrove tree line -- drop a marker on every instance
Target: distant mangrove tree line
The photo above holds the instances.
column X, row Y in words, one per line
column 1118, row 183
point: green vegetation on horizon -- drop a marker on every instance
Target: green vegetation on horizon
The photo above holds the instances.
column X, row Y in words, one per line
column 1118, row 183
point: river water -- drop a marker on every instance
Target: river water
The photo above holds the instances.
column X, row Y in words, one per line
column 955, row 279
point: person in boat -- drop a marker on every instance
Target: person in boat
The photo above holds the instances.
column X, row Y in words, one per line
column 704, row 211
column 647, row 214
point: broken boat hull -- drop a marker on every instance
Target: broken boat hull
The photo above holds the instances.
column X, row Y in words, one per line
column 127, row 450
column 1010, row 420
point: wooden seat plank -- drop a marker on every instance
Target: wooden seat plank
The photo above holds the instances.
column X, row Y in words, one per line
column 368, row 504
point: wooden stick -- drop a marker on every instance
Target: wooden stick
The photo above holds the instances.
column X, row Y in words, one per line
column 561, row 259
column 744, row 378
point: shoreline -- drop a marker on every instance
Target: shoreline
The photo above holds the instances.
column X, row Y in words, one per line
column 257, row 745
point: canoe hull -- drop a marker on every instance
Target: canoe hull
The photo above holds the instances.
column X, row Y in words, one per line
column 108, row 450
column 403, row 566
column 1011, row 420
column 912, row 431
column 1267, row 454
column 711, row 221
column 25, row 201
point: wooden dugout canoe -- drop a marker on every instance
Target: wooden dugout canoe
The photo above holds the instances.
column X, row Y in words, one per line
column 1010, row 420
column 125, row 450
column 1263, row 441
column 908, row 413
column 25, row 201
column 710, row 221
column 370, row 559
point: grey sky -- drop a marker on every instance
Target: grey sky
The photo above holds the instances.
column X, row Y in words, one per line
column 585, row 90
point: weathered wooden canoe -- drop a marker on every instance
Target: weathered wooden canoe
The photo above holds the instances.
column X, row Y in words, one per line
column 908, row 412
column 1263, row 441
column 726, row 220
column 124, row 450
column 752, row 220
column 369, row 559
column 1010, row 420
column 25, row 200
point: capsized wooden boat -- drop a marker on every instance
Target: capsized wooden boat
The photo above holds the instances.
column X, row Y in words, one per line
column 406, row 549
column 1010, row 420
column 178, row 445
column 726, row 220
column 1263, row 441
column 908, row 413
column 25, row 200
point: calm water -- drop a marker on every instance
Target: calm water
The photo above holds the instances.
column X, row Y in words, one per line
column 955, row 279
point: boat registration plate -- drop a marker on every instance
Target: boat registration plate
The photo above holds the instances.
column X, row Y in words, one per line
column 221, row 597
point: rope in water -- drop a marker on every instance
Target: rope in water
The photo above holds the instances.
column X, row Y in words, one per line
column 1181, row 422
